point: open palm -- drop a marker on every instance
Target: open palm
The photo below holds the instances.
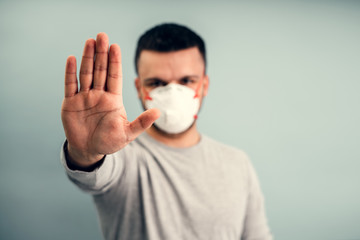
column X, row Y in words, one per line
column 94, row 117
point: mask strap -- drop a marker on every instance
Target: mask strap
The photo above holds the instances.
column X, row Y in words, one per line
column 197, row 95
column 198, row 89
column 146, row 94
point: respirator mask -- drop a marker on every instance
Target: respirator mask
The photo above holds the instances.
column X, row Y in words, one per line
column 178, row 104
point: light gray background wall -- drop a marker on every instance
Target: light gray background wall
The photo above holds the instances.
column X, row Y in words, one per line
column 284, row 87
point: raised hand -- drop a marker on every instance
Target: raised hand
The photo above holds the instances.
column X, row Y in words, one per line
column 94, row 117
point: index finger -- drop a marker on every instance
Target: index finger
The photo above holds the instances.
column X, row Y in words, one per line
column 114, row 77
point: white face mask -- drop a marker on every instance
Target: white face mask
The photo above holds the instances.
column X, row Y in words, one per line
column 178, row 105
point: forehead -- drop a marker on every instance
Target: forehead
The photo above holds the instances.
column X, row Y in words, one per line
column 170, row 65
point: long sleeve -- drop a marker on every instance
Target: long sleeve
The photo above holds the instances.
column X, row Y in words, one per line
column 99, row 180
column 255, row 225
column 149, row 190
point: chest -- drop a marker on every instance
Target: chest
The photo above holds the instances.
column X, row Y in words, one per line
column 203, row 194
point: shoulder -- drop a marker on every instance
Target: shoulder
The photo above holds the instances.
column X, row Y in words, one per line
column 235, row 158
column 225, row 150
column 234, row 162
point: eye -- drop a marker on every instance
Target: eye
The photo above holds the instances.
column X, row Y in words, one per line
column 153, row 83
column 187, row 81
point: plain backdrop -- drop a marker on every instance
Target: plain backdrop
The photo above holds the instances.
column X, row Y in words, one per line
column 284, row 87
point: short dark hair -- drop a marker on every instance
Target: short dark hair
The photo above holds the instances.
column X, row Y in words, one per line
column 169, row 37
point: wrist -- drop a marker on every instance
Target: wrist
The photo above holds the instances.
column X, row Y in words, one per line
column 79, row 160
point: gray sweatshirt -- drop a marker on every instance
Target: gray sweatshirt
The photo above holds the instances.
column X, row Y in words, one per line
column 152, row 191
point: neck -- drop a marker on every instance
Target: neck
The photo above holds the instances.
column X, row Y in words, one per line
column 185, row 139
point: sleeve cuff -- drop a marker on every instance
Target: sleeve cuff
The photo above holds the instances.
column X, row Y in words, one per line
column 93, row 181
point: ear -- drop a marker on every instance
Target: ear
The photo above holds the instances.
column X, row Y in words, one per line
column 205, row 85
column 138, row 86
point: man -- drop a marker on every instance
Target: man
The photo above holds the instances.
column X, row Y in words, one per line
column 156, row 177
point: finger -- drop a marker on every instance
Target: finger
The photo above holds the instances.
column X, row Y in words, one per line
column 101, row 61
column 87, row 65
column 114, row 77
column 143, row 122
column 71, row 86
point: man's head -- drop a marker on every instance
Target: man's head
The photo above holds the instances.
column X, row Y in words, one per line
column 171, row 54
column 169, row 37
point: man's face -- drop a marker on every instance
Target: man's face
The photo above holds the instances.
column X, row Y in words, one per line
column 185, row 67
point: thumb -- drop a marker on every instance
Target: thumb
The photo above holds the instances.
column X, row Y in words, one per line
column 143, row 122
